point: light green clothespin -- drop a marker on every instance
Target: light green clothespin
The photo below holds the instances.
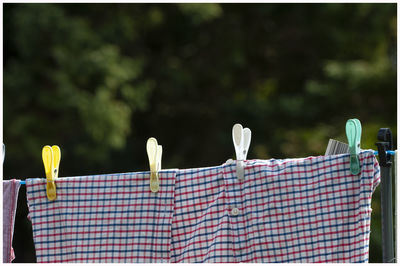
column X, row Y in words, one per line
column 353, row 132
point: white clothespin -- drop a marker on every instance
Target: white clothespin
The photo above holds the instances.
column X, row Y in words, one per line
column 154, row 152
column 241, row 141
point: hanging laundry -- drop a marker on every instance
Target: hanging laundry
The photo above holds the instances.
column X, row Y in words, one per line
column 10, row 199
column 293, row 210
column 104, row 218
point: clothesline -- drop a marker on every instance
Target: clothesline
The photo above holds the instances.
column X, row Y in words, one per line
column 22, row 182
column 388, row 152
column 184, row 193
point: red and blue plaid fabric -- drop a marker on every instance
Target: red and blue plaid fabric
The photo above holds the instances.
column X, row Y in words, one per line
column 104, row 218
column 292, row 210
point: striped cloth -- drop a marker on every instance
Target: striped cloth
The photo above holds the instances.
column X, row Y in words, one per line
column 293, row 210
column 103, row 218
column 10, row 199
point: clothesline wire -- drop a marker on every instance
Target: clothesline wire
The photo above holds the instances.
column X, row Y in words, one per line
column 22, row 182
column 388, row 152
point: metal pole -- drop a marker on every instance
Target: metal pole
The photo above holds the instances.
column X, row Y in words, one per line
column 395, row 226
column 386, row 143
column 387, row 215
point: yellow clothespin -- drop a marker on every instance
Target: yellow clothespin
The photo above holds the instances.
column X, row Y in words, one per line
column 51, row 159
column 154, row 152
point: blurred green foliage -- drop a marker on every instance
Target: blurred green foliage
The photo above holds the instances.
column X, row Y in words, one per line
column 99, row 79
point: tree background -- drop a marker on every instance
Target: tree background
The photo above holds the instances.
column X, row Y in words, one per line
column 100, row 79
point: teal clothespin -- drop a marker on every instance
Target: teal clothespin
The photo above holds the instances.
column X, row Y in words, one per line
column 353, row 132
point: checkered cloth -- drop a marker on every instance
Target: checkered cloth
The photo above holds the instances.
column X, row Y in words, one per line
column 10, row 199
column 293, row 210
column 104, row 218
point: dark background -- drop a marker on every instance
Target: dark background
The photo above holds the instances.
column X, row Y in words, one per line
column 100, row 79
